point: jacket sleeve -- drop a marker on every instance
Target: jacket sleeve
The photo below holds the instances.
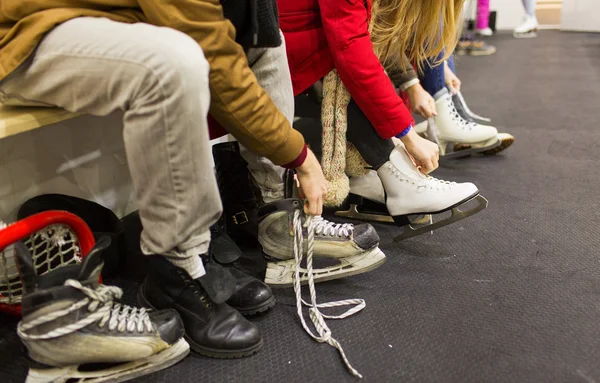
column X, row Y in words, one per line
column 346, row 29
column 238, row 103
column 403, row 79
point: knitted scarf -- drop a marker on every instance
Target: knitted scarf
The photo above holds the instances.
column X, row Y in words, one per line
column 340, row 158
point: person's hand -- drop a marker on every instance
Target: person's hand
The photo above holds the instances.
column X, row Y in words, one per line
column 421, row 101
column 425, row 153
column 452, row 81
column 313, row 185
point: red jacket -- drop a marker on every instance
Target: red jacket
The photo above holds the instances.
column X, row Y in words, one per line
column 321, row 35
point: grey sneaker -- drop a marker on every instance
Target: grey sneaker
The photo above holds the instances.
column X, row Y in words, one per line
column 480, row 48
column 354, row 247
column 74, row 330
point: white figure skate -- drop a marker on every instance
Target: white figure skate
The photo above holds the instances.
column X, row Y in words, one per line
column 528, row 29
column 449, row 128
column 398, row 193
column 463, row 109
column 506, row 139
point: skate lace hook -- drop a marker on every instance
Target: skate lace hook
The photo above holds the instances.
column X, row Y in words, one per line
column 102, row 308
column 317, row 318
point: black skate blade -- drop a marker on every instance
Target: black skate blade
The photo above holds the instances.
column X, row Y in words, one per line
column 456, row 216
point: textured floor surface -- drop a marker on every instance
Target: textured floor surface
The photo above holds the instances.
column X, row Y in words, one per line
column 509, row 295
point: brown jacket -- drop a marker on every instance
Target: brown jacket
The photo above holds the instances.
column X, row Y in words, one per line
column 399, row 76
column 238, row 103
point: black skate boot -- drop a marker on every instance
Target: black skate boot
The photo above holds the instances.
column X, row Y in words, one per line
column 213, row 328
column 75, row 331
column 241, row 197
column 251, row 295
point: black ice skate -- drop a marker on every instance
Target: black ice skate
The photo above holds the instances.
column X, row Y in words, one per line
column 75, row 331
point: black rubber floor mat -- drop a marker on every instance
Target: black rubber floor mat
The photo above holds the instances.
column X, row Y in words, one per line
column 511, row 294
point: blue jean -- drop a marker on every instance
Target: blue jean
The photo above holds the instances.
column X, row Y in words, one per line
column 432, row 78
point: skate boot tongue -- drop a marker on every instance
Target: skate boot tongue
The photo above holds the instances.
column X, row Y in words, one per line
column 88, row 272
column 442, row 93
column 223, row 249
column 90, row 268
column 218, row 282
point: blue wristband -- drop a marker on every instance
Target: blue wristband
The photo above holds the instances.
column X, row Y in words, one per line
column 404, row 132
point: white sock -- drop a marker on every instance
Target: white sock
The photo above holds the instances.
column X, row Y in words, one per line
column 193, row 265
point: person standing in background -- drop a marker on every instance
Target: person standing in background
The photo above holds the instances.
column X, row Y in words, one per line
column 483, row 18
column 530, row 24
column 471, row 42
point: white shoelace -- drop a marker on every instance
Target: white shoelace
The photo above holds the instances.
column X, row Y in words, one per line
column 325, row 227
column 433, row 183
column 464, row 124
column 428, row 183
column 102, row 309
column 316, row 316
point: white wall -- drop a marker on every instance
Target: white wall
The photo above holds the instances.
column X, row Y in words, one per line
column 510, row 13
column 581, row 15
column 82, row 157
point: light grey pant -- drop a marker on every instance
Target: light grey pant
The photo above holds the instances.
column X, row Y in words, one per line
column 159, row 78
column 270, row 66
column 529, row 6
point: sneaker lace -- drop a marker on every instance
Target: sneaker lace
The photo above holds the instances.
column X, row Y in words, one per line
column 102, row 308
column 456, row 117
column 317, row 318
column 332, row 229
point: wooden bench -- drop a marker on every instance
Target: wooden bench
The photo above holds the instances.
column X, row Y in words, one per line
column 18, row 119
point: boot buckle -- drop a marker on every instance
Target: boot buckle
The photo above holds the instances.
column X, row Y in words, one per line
column 243, row 218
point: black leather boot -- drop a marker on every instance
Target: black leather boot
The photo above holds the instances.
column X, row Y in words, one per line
column 213, row 328
column 241, row 197
column 251, row 295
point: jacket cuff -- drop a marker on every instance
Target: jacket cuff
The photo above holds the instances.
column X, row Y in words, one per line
column 404, row 132
column 298, row 161
column 408, row 84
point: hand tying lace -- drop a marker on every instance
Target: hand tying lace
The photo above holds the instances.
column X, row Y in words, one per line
column 325, row 227
column 102, row 308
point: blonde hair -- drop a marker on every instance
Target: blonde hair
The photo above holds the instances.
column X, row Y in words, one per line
column 421, row 29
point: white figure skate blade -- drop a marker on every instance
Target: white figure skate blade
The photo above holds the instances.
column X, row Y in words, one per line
column 472, row 150
column 527, row 35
